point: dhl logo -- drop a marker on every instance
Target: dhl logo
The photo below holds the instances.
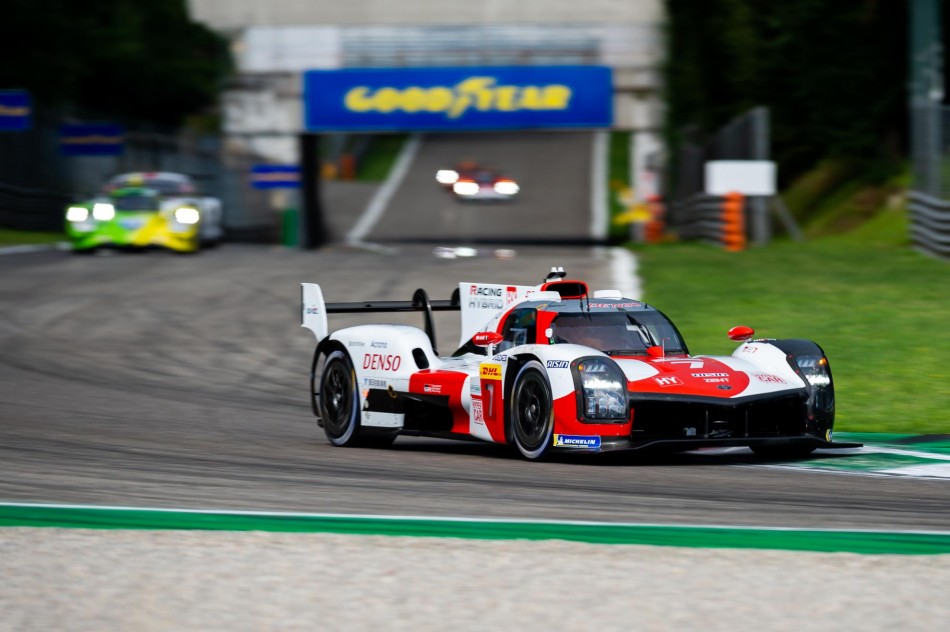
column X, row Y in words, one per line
column 481, row 93
column 490, row 372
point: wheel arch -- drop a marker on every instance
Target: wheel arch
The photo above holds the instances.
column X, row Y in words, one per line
column 324, row 347
column 515, row 363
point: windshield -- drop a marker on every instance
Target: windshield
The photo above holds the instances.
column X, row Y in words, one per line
column 618, row 333
column 165, row 186
column 136, row 203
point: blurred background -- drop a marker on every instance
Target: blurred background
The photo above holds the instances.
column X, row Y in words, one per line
column 845, row 101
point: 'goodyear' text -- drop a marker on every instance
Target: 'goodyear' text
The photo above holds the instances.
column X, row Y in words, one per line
column 480, row 93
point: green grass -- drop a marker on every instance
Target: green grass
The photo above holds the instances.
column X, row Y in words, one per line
column 380, row 157
column 618, row 179
column 880, row 310
column 9, row 237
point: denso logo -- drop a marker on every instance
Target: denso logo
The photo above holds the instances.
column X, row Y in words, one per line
column 481, row 93
column 380, row 362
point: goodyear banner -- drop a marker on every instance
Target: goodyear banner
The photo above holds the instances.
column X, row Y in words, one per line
column 91, row 139
column 15, row 110
column 469, row 98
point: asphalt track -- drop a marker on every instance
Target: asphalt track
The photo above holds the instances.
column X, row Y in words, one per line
column 157, row 380
column 553, row 170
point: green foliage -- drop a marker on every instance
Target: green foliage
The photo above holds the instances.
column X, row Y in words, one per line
column 618, row 181
column 837, row 196
column 127, row 59
column 833, row 74
column 27, row 237
column 382, row 154
column 878, row 309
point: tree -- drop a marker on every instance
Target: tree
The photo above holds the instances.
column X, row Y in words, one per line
column 127, row 59
column 833, row 74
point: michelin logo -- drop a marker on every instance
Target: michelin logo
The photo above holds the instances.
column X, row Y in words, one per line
column 576, row 441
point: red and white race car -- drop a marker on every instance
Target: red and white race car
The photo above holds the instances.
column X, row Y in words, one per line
column 558, row 367
column 469, row 181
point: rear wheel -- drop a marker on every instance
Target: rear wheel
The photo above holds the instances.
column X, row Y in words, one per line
column 339, row 400
column 532, row 412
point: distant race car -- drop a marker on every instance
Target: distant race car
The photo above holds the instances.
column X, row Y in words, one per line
column 469, row 181
column 140, row 210
column 557, row 367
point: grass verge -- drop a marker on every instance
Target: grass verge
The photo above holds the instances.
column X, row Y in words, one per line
column 10, row 237
column 878, row 308
column 380, row 157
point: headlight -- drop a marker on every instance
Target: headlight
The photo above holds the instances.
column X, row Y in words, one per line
column 102, row 211
column 465, row 188
column 506, row 187
column 187, row 215
column 446, row 176
column 602, row 392
column 815, row 369
column 77, row 214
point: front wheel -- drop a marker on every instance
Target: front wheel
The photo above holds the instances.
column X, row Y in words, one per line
column 532, row 412
column 339, row 400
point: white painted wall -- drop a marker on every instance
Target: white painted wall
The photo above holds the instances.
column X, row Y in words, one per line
column 238, row 14
column 274, row 41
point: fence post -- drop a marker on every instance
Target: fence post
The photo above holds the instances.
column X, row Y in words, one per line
column 733, row 222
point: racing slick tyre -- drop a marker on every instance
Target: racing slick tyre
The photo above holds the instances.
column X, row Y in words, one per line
column 532, row 412
column 339, row 400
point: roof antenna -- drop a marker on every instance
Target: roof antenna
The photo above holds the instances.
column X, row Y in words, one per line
column 557, row 272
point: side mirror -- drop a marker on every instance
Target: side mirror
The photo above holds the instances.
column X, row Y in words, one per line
column 487, row 338
column 655, row 351
column 740, row 333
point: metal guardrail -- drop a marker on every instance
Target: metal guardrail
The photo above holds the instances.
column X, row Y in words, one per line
column 930, row 224
column 32, row 209
column 699, row 217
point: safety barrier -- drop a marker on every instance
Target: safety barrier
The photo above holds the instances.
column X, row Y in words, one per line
column 714, row 219
column 26, row 208
column 930, row 224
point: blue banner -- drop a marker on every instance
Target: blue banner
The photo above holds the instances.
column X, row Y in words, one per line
column 16, row 110
column 275, row 176
column 91, row 139
column 469, row 98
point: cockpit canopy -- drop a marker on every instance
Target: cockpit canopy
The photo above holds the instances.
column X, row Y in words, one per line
column 607, row 326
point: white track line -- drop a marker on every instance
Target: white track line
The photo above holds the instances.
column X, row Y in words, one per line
column 388, row 517
column 623, row 270
column 377, row 206
column 16, row 250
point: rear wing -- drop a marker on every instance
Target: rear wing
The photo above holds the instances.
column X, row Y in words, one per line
column 478, row 302
column 314, row 309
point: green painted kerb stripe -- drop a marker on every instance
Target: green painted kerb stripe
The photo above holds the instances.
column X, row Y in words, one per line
column 705, row 537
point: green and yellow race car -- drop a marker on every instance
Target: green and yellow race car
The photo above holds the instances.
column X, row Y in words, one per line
column 142, row 212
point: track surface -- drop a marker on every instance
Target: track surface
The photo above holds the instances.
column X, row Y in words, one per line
column 175, row 381
column 553, row 171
